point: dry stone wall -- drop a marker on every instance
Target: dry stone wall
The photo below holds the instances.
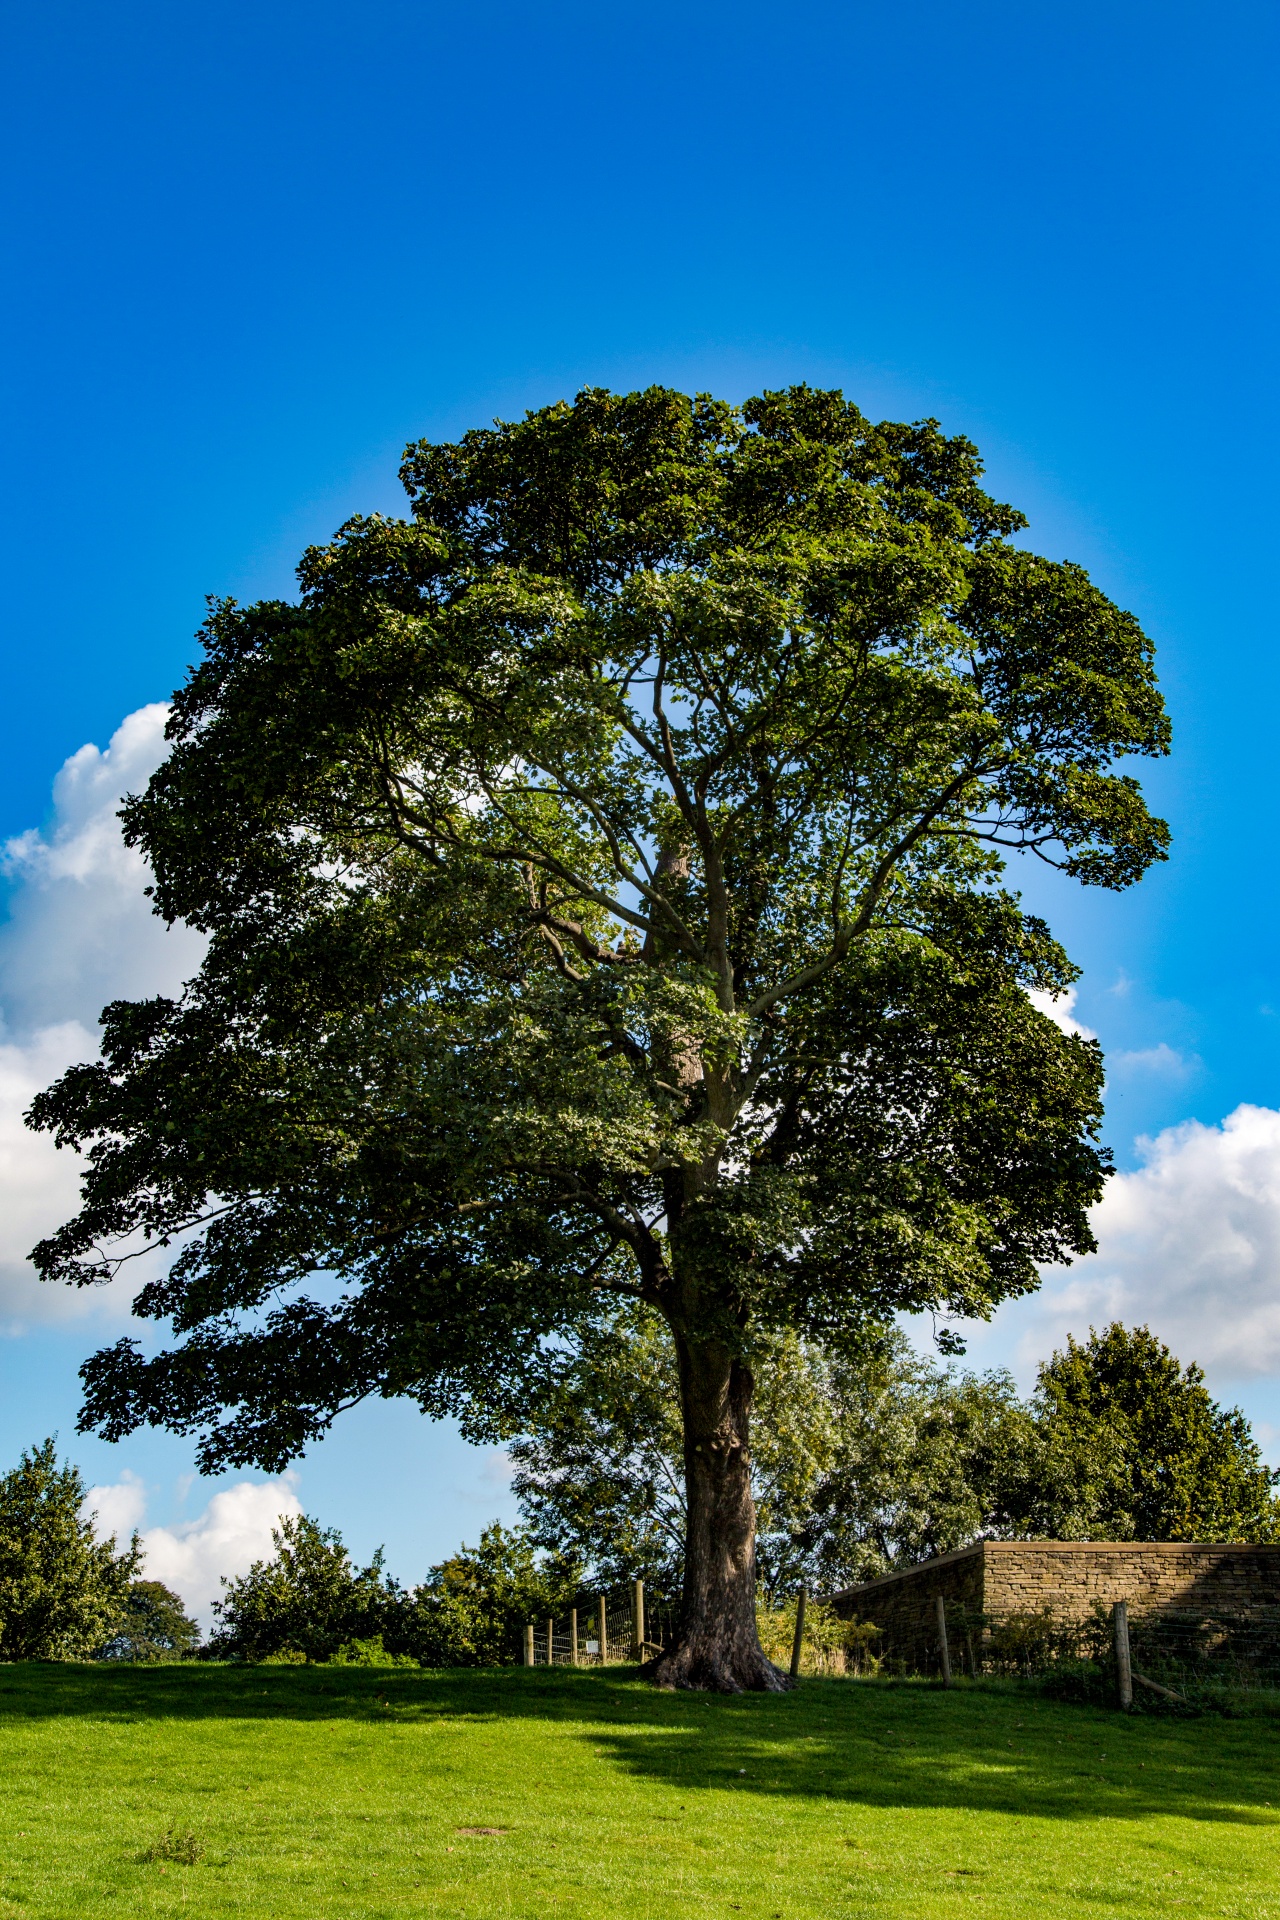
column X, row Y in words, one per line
column 1066, row 1580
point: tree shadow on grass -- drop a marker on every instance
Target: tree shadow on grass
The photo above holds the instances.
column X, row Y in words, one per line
column 991, row 1748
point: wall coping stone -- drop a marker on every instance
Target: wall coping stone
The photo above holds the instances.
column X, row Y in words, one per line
column 1171, row 1549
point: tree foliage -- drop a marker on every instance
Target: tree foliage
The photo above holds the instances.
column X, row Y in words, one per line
column 308, row 1599
column 872, row 1458
column 472, row 1609
column 62, row 1590
column 1154, row 1455
column 602, row 876
column 153, row 1625
column 862, row 1459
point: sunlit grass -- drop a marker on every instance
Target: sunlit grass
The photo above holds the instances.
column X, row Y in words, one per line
column 306, row 1792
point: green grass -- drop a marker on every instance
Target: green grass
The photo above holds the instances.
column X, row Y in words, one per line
column 278, row 1791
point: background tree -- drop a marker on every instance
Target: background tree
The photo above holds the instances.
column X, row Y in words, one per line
column 601, row 870
column 874, row 1457
column 307, row 1599
column 1152, row 1453
column 472, row 1609
column 153, row 1625
column 62, row 1590
column 861, row 1460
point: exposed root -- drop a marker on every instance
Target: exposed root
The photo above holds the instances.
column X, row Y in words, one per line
column 705, row 1669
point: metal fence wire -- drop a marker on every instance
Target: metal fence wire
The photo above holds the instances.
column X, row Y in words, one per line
column 602, row 1630
column 1180, row 1649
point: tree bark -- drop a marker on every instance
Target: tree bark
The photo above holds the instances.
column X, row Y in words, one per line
column 718, row 1648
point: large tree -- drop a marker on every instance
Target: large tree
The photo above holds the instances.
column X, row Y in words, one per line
column 601, row 869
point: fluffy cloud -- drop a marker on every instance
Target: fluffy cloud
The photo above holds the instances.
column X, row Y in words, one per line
column 38, row 1186
column 1189, row 1243
column 233, row 1531
column 80, row 932
column 1060, row 1008
column 80, row 929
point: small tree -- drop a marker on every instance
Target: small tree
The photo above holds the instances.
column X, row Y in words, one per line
column 154, row 1625
column 62, row 1590
column 472, row 1609
column 1154, row 1455
column 308, row 1599
column 602, row 875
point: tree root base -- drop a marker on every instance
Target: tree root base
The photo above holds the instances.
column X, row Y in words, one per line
column 704, row 1669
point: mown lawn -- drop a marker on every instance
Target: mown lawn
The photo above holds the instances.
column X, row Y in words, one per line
column 348, row 1792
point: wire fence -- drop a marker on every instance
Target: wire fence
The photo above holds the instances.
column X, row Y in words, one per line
column 1170, row 1653
column 603, row 1629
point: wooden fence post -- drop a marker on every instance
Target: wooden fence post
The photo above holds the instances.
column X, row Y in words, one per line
column 1124, row 1668
column 637, row 1616
column 573, row 1635
column 797, row 1645
column 604, row 1630
column 551, row 1644
column 528, row 1645
column 944, row 1651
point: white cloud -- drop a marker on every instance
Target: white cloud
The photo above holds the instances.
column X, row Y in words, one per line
column 1188, row 1244
column 39, row 1187
column 1163, row 1060
column 80, row 932
column 1060, row 1009
column 119, row 1509
column 233, row 1531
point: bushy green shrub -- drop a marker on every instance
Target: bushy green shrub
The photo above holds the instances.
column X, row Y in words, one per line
column 62, row 1590
column 472, row 1609
column 830, row 1645
column 153, row 1626
column 370, row 1653
column 307, row 1600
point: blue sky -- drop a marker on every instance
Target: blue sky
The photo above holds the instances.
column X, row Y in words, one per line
column 250, row 251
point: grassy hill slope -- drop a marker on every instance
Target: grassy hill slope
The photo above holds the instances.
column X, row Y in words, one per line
column 314, row 1792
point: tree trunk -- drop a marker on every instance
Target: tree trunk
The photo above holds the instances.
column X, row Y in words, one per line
column 718, row 1648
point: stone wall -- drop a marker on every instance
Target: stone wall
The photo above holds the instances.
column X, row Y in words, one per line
column 1066, row 1579
column 904, row 1605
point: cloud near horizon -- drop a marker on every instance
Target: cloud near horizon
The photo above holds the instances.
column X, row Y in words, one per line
column 80, row 932
column 192, row 1556
column 1189, row 1244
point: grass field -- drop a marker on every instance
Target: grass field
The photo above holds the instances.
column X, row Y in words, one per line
column 313, row 1792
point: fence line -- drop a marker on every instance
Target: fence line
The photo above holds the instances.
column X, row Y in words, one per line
column 1164, row 1650
column 604, row 1629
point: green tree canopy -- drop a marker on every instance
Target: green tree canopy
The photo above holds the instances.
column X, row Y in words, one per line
column 1152, row 1453
column 307, row 1599
column 62, row 1590
column 153, row 1625
column 871, row 1458
column 602, row 876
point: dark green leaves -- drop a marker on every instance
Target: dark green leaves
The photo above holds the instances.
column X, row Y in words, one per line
column 601, row 869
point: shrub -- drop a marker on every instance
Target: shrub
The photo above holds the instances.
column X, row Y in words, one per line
column 471, row 1610
column 153, row 1626
column 831, row 1645
column 62, row 1590
column 370, row 1653
column 307, row 1601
